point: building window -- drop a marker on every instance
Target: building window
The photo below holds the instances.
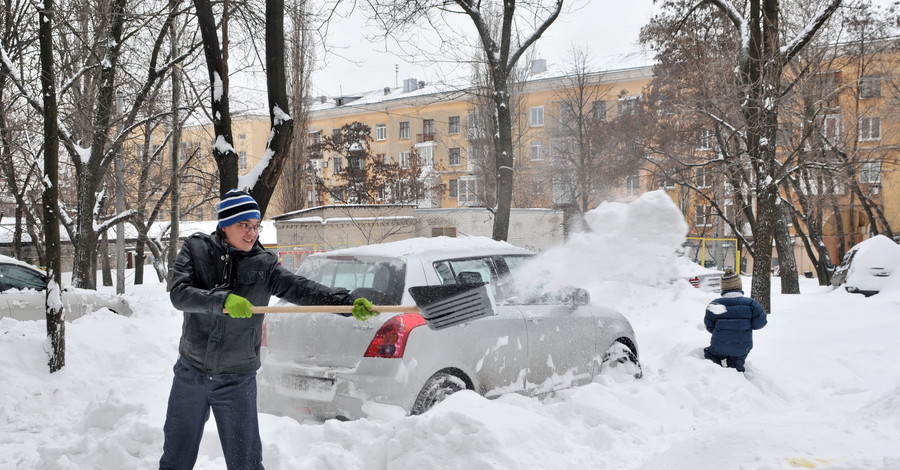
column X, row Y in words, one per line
column 666, row 182
column 870, row 128
column 537, row 116
column 379, row 158
column 357, row 163
column 335, row 133
column 703, row 177
column 404, row 159
column 443, row 231
column 338, row 165
column 475, row 127
column 702, row 215
column 453, row 125
column 242, row 160
column 832, row 127
column 870, row 87
column 312, row 196
column 633, row 185
column 566, row 115
column 598, row 110
column 404, row 130
column 870, row 172
column 381, row 132
column 628, row 105
column 468, row 188
column 453, row 188
column 537, row 150
column 454, row 158
column 426, row 153
column 706, row 139
column 428, row 129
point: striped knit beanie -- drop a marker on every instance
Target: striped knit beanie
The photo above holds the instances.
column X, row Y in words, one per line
column 237, row 206
column 731, row 281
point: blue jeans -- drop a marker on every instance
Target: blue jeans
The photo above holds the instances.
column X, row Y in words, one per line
column 735, row 362
column 232, row 398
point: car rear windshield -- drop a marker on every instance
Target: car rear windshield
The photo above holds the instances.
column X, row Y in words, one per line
column 377, row 279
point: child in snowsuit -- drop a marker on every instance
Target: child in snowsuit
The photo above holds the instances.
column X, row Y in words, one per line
column 731, row 319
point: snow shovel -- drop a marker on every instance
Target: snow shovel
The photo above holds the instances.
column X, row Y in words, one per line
column 440, row 306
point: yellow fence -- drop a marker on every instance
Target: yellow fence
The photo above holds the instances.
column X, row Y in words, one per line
column 715, row 253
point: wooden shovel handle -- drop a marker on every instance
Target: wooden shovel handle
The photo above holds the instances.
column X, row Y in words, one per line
column 331, row 308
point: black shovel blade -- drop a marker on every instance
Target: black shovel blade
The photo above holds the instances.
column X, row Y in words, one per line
column 452, row 304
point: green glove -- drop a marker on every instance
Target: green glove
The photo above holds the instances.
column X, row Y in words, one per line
column 362, row 309
column 238, row 307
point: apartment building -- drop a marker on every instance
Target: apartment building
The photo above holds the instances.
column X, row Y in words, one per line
column 446, row 129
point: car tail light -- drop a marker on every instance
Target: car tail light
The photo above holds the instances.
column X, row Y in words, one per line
column 390, row 341
column 695, row 281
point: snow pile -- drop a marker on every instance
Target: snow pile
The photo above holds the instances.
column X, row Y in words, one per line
column 822, row 389
column 628, row 248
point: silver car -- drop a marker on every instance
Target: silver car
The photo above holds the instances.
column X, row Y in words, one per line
column 23, row 295
column 329, row 366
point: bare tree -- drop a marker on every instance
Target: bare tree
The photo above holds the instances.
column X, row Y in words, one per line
column 522, row 24
column 590, row 152
column 748, row 131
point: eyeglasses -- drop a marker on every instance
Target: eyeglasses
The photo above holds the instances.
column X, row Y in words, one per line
column 258, row 228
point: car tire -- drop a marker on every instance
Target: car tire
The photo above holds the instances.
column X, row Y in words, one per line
column 437, row 388
column 619, row 359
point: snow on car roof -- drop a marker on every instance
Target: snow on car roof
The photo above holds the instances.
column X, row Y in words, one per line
column 878, row 251
column 11, row 260
column 402, row 248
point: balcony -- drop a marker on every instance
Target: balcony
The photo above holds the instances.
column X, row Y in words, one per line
column 424, row 138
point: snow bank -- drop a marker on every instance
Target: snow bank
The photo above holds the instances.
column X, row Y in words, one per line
column 822, row 389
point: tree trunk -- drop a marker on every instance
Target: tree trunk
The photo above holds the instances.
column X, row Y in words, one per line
column 279, row 106
column 139, row 258
column 56, row 325
column 106, row 269
column 223, row 152
column 175, row 182
column 790, row 282
column 504, row 158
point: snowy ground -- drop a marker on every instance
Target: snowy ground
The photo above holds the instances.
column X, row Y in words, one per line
column 822, row 390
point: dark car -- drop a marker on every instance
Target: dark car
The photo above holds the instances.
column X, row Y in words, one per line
column 866, row 267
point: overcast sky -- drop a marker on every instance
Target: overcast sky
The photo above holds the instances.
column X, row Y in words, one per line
column 605, row 27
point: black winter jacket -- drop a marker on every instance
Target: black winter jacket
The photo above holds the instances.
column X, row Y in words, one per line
column 205, row 272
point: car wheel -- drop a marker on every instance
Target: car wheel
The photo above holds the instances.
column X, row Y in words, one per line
column 620, row 360
column 436, row 389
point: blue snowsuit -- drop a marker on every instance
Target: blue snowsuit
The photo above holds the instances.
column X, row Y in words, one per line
column 731, row 319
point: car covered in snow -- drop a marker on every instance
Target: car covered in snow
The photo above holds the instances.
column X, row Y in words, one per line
column 329, row 366
column 23, row 295
column 866, row 267
column 702, row 278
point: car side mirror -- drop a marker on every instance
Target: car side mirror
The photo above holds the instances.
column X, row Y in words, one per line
column 579, row 297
